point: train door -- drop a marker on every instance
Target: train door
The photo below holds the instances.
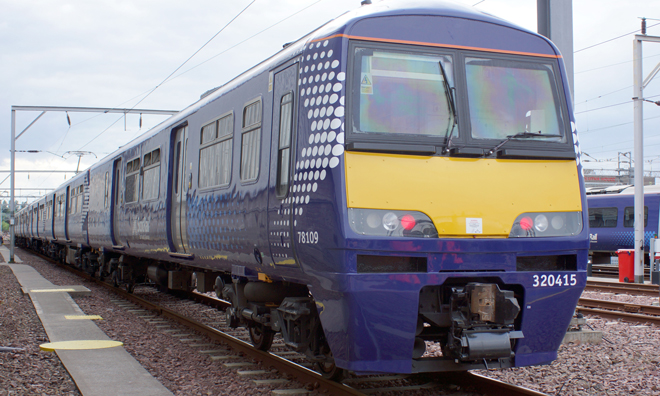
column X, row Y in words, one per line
column 117, row 199
column 280, row 202
column 179, row 188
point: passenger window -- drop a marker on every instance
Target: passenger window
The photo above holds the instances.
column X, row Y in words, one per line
column 151, row 176
column 629, row 216
column 251, row 141
column 216, row 152
column 73, row 201
column 132, row 173
column 603, row 217
column 79, row 198
column 284, row 150
column 59, row 212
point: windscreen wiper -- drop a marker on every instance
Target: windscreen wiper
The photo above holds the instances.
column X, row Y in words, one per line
column 452, row 106
column 521, row 135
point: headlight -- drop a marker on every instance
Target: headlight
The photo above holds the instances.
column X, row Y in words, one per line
column 390, row 221
column 398, row 223
column 541, row 223
column 549, row 224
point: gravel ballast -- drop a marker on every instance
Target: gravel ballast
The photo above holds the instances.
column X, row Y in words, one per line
column 30, row 371
column 626, row 362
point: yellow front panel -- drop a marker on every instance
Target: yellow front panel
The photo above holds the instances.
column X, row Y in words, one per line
column 450, row 190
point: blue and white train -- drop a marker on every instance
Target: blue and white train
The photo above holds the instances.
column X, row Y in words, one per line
column 407, row 173
column 612, row 220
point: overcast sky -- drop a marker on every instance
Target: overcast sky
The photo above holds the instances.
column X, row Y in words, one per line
column 101, row 53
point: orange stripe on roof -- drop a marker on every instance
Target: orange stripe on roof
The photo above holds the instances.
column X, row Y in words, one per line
column 437, row 45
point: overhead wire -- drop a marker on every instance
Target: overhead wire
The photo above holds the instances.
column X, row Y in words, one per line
column 612, row 39
column 614, row 64
column 624, row 147
column 603, row 95
column 171, row 74
column 213, row 57
column 249, row 38
column 603, row 107
column 169, row 78
column 196, row 52
column 582, row 132
column 613, row 105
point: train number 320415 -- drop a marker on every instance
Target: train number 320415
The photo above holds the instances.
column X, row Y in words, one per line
column 554, row 280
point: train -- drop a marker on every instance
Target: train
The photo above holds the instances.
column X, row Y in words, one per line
column 408, row 173
column 612, row 220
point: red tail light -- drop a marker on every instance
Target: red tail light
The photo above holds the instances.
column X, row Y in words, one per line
column 408, row 222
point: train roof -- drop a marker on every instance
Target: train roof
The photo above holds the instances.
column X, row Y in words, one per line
column 628, row 189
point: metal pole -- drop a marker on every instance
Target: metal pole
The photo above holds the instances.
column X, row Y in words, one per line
column 12, row 208
column 639, row 161
column 555, row 21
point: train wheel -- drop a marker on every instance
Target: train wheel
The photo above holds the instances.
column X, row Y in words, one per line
column 130, row 287
column 261, row 337
column 329, row 369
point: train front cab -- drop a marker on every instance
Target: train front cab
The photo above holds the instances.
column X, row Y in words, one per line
column 460, row 200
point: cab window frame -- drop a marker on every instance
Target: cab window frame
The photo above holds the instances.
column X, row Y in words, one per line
column 462, row 142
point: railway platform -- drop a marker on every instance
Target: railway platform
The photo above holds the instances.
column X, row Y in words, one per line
column 102, row 367
column 4, row 252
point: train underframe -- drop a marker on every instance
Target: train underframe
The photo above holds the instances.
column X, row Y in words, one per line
column 475, row 323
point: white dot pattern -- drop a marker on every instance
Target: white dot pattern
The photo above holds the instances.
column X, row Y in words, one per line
column 321, row 85
column 578, row 152
column 326, row 115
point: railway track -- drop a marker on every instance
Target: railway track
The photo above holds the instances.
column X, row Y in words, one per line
column 632, row 313
column 627, row 288
column 293, row 364
column 609, row 271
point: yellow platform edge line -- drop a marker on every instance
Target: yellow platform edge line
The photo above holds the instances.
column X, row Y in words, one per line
column 51, row 290
column 76, row 317
column 79, row 345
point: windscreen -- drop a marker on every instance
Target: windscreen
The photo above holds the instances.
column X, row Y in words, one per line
column 508, row 97
column 403, row 93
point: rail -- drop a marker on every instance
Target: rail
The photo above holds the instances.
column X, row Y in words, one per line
column 632, row 313
column 625, row 288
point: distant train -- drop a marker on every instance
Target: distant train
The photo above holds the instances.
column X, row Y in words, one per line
column 612, row 220
column 407, row 173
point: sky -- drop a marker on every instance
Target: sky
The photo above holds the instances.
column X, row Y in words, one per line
column 81, row 53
